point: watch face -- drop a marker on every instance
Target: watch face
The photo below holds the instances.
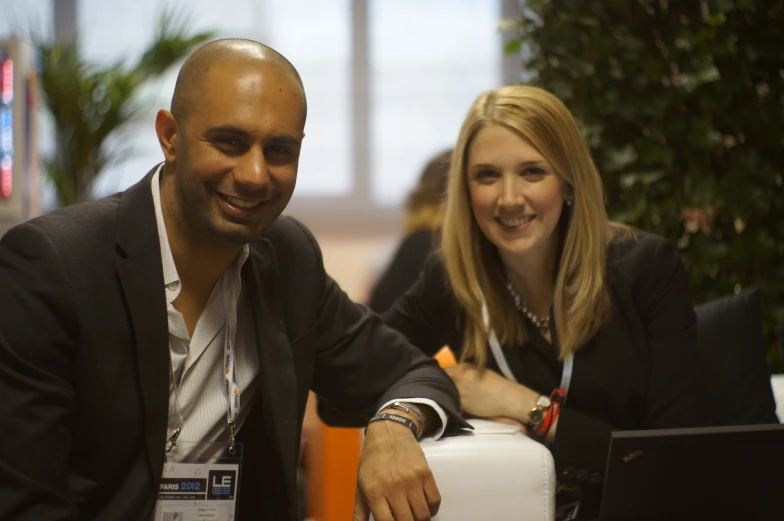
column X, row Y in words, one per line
column 536, row 416
column 543, row 402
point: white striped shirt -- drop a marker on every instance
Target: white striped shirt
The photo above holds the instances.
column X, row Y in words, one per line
column 197, row 362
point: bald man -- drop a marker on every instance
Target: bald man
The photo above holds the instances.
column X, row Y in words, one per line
column 187, row 310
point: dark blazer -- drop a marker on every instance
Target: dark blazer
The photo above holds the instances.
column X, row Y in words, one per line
column 403, row 271
column 638, row 372
column 84, row 363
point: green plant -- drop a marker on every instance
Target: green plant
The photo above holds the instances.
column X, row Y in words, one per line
column 682, row 102
column 89, row 103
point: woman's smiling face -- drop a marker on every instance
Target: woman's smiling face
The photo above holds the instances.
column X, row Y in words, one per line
column 516, row 196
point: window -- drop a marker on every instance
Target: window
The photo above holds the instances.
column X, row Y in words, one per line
column 429, row 60
column 388, row 84
column 319, row 46
column 16, row 16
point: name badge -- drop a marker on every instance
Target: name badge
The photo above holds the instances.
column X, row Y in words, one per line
column 200, row 483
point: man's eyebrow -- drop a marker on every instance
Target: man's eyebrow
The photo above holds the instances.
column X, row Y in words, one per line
column 282, row 139
column 286, row 139
column 226, row 129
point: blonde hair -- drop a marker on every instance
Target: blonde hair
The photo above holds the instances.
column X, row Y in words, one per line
column 472, row 262
column 425, row 202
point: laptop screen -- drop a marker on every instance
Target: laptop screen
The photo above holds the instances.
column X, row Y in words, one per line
column 712, row 473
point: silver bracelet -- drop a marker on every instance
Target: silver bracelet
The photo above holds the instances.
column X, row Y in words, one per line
column 410, row 408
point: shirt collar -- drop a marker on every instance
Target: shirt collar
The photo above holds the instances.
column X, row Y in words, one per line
column 170, row 276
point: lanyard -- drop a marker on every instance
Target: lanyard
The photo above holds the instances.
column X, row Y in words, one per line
column 231, row 387
column 498, row 354
column 231, row 295
column 172, row 441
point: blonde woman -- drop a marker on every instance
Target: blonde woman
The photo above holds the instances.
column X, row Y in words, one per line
column 564, row 322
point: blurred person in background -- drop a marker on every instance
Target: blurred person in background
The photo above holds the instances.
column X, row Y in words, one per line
column 423, row 218
column 565, row 323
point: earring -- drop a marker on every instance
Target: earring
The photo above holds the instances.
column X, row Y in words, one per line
column 568, row 202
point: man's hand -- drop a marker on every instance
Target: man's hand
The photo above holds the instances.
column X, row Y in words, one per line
column 487, row 394
column 394, row 482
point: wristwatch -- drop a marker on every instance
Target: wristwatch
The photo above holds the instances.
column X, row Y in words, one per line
column 537, row 414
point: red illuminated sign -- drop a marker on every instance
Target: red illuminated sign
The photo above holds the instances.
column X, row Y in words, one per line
column 7, row 89
column 6, row 177
column 6, row 127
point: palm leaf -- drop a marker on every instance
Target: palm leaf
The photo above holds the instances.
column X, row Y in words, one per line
column 89, row 103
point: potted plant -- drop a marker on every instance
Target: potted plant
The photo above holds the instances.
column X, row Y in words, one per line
column 89, row 103
column 682, row 104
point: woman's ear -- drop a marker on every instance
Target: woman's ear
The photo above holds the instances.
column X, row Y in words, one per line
column 568, row 195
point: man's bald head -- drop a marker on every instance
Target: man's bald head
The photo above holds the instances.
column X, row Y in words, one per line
column 231, row 142
column 189, row 88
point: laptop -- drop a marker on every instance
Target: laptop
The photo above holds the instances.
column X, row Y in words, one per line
column 710, row 474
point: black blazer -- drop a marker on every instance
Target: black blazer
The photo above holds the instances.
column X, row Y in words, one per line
column 403, row 271
column 84, row 363
column 638, row 372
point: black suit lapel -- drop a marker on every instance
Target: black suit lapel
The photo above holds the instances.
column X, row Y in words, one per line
column 141, row 276
column 277, row 378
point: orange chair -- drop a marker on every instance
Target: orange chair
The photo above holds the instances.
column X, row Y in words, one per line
column 446, row 358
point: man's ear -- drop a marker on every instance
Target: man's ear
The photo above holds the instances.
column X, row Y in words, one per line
column 168, row 131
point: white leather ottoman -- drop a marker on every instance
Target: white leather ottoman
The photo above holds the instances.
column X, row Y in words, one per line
column 493, row 474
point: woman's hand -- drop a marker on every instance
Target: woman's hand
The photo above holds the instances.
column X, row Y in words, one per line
column 487, row 394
